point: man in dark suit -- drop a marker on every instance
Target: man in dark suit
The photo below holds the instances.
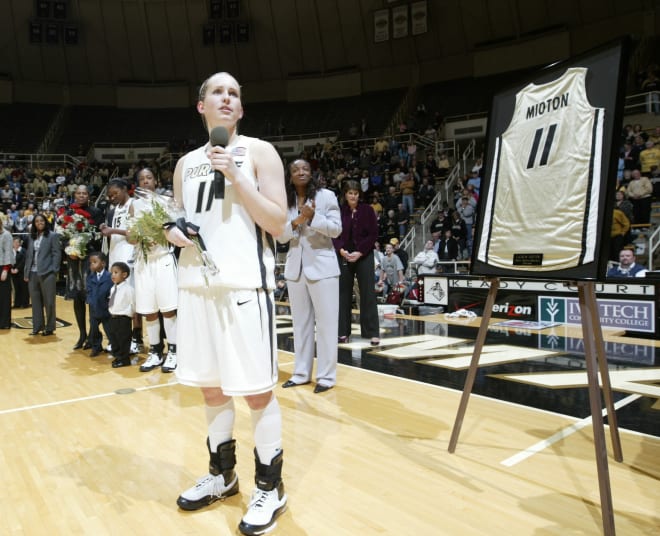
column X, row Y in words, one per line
column 98, row 286
column 447, row 250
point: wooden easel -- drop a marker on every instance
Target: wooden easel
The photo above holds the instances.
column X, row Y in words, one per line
column 596, row 361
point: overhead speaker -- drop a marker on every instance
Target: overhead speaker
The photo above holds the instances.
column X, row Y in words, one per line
column 226, row 33
column 215, row 9
column 208, row 35
column 71, row 35
column 59, row 10
column 52, row 34
column 233, row 9
column 242, row 32
column 36, row 35
column 43, row 9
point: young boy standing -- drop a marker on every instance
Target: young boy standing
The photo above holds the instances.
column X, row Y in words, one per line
column 121, row 307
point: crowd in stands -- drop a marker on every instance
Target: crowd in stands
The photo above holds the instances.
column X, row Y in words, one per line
column 637, row 182
column 396, row 178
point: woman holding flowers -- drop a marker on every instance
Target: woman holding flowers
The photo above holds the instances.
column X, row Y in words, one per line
column 77, row 224
column 42, row 264
column 155, row 278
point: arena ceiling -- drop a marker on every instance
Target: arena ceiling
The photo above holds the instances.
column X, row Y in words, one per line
column 161, row 41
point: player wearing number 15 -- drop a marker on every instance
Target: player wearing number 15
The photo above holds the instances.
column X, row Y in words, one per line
column 226, row 321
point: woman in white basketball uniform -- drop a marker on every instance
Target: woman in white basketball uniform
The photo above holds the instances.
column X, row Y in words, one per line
column 118, row 247
column 226, row 323
column 155, row 289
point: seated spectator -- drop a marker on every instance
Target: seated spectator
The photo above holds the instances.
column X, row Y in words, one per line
column 639, row 191
column 477, row 166
column 389, row 229
column 630, row 157
column 438, row 226
column 447, row 247
column 399, row 252
column 624, row 204
column 619, row 232
column 474, row 180
column 427, row 259
column 443, row 165
column 376, row 204
column 425, row 193
column 402, row 220
column 467, row 213
column 408, row 188
column 391, row 199
column 459, row 232
column 391, row 273
column 649, row 157
column 655, row 137
column 280, row 292
column 627, row 266
column 6, row 195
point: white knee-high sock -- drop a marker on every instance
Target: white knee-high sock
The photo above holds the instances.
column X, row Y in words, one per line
column 267, row 430
column 153, row 331
column 220, row 421
column 169, row 323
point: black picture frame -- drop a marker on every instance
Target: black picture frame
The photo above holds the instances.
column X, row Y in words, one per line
column 605, row 88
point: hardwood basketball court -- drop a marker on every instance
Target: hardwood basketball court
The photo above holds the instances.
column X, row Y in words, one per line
column 87, row 449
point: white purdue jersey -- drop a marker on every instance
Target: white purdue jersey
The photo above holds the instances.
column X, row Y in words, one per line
column 242, row 251
column 120, row 248
column 541, row 207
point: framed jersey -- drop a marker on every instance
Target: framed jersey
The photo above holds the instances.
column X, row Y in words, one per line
column 548, row 175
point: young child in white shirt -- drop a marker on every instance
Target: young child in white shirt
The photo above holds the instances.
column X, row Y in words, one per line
column 122, row 307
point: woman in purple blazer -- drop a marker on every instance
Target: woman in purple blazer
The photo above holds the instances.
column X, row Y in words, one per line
column 355, row 248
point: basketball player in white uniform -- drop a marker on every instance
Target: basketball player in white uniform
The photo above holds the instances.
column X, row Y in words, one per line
column 226, row 342
column 118, row 248
column 155, row 289
column 542, row 201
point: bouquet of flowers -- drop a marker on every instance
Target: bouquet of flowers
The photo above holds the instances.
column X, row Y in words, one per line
column 147, row 230
column 75, row 227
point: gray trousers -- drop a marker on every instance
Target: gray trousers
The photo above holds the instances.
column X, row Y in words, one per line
column 315, row 303
column 42, row 295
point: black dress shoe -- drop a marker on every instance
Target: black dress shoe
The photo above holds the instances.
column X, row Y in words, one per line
column 95, row 353
column 35, row 332
column 78, row 345
column 322, row 388
column 47, row 332
column 121, row 363
column 291, row 383
column 86, row 346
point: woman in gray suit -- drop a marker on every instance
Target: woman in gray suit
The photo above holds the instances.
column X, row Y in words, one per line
column 312, row 274
column 42, row 264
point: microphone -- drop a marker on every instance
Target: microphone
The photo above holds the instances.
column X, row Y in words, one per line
column 219, row 136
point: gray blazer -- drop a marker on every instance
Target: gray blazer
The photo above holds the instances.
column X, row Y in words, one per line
column 310, row 249
column 50, row 255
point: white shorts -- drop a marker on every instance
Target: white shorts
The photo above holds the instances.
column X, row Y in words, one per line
column 156, row 285
column 226, row 338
